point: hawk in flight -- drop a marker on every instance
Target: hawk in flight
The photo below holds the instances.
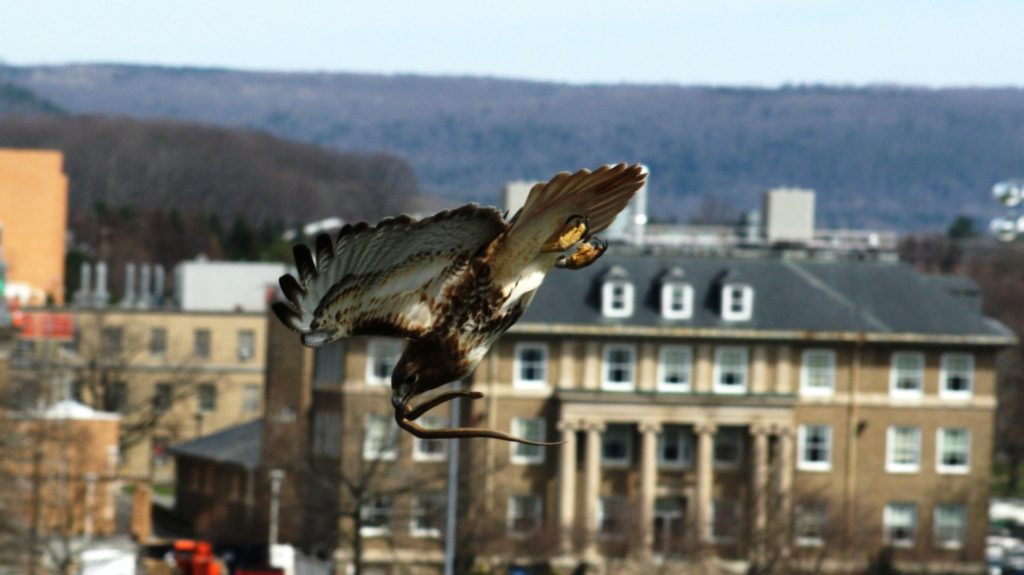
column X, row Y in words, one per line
column 451, row 283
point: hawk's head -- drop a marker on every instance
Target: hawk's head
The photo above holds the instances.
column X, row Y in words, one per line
column 423, row 366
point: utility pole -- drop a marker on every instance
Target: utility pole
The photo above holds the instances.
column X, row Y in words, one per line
column 453, row 489
column 276, row 476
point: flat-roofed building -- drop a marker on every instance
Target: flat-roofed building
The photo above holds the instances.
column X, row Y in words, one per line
column 33, row 213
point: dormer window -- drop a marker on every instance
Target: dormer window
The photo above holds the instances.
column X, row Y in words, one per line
column 737, row 302
column 676, row 300
column 617, row 298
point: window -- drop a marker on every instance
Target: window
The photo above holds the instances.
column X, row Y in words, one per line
column 380, row 437
column 617, row 298
column 956, row 380
column 950, row 526
column 675, row 447
column 381, row 357
column 158, row 342
column 903, row 450
column 428, row 511
column 162, row 395
column 670, row 526
column 326, row 434
column 810, row 522
column 899, row 521
column 619, row 367
column 531, row 365
column 201, row 343
column 725, row 519
column 815, row 445
column 376, row 516
column 159, row 445
column 674, row 368
column 907, row 374
column 613, row 516
column 115, row 396
column 953, row 447
column 246, row 344
column 737, row 302
column 207, row 395
column 524, row 514
column 818, row 372
column 430, row 449
column 730, row 370
column 533, row 429
column 251, row 398
column 112, row 342
column 676, row 301
column 617, row 445
column 329, row 364
column 728, row 448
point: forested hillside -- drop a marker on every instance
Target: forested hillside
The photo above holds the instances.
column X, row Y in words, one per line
column 893, row 157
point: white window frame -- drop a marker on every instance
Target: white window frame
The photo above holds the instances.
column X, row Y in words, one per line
column 418, row 510
column 894, row 391
column 731, row 389
column 893, row 466
column 673, row 387
column 803, row 464
column 730, row 434
column 887, row 523
column 372, row 530
column 537, row 506
column 517, row 449
column 370, row 452
column 805, row 373
column 746, row 293
column 940, row 447
column 684, row 441
column 944, row 391
column 949, row 543
column 626, row 433
column 608, row 385
column 733, row 525
column 608, row 309
column 374, row 349
column 517, row 365
column 669, row 291
column 430, row 422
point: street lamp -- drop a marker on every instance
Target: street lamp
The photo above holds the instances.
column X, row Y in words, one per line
column 276, row 476
column 1009, row 226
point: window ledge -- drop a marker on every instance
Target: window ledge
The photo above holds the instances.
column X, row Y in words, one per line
column 814, row 467
column 949, row 470
column 901, row 470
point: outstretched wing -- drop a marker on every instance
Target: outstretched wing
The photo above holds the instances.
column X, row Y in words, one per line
column 599, row 195
column 382, row 279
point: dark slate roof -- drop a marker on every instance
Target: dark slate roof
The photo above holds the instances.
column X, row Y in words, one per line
column 239, row 445
column 799, row 296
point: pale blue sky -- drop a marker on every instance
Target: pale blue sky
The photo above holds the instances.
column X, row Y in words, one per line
column 735, row 42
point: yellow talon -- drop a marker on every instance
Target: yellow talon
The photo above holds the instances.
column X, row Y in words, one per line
column 575, row 230
column 583, row 255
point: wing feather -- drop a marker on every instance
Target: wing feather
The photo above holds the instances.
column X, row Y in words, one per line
column 382, row 279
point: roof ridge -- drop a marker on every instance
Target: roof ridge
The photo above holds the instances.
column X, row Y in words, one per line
column 816, row 283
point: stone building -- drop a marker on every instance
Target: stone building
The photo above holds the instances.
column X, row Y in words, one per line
column 775, row 410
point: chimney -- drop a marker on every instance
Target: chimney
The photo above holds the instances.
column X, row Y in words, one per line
column 84, row 288
column 145, row 298
column 100, row 296
column 128, row 299
column 158, row 285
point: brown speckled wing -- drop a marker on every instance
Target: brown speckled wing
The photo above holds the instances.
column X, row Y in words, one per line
column 382, row 279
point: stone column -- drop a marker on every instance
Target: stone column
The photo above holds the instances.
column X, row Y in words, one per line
column 648, row 485
column 592, row 484
column 567, row 484
column 759, row 488
column 785, row 483
column 705, row 479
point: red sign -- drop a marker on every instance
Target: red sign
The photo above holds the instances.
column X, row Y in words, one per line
column 47, row 325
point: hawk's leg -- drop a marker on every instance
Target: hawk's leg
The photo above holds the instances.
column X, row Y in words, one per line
column 584, row 254
column 412, row 413
column 574, row 230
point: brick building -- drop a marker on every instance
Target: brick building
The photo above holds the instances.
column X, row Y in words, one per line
column 771, row 410
column 33, row 213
